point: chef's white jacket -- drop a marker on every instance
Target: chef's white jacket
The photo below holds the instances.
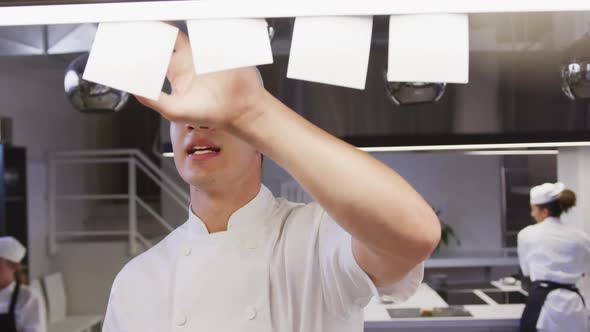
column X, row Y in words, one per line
column 29, row 310
column 553, row 251
column 279, row 267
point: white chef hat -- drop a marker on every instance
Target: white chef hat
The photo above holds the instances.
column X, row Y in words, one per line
column 546, row 193
column 11, row 249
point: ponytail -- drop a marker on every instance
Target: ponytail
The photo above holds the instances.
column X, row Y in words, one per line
column 566, row 201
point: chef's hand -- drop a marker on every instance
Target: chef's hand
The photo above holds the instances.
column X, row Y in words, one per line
column 216, row 99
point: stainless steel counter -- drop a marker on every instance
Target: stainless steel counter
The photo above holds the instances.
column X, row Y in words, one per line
column 488, row 317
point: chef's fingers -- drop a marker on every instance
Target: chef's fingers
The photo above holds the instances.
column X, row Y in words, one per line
column 164, row 105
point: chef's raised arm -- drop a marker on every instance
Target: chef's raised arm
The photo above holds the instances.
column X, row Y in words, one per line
column 345, row 285
column 393, row 229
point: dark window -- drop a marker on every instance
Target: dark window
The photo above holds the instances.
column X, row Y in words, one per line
column 519, row 174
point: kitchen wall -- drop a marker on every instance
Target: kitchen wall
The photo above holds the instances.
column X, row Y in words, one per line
column 89, row 270
column 572, row 167
column 466, row 188
column 32, row 95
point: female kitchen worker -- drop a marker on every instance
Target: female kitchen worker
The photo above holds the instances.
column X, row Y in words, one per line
column 555, row 256
column 21, row 308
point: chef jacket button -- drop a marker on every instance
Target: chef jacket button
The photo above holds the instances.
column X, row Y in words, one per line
column 250, row 312
column 187, row 251
column 181, row 320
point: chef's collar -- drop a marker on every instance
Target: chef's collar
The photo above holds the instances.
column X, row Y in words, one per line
column 552, row 220
column 247, row 217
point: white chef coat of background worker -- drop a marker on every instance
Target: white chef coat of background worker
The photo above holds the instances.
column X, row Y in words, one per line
column 247, row 261
column 553, row 251
column 30, row 309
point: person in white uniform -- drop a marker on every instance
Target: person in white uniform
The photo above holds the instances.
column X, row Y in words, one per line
column 247, row 261
column 555, row 256
column 21, row 307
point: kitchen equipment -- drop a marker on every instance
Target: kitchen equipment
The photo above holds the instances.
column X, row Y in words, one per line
column 508, row 281
column 90, row 97
column 502, row 297
column 413, row 93
column 460, row 297
column 5, row 130
column 575, row 74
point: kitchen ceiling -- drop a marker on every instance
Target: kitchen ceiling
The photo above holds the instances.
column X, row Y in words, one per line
column 510, row 32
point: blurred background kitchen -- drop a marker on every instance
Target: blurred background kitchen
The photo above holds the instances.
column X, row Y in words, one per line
column 88, row 183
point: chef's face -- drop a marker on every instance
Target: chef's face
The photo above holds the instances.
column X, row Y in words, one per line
column 538, row 213
column 208, row 156
column 7, row 270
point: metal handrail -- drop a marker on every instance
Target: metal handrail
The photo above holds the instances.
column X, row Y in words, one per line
column 91, row 197
column 135, row 160
column 125, row 152
column 93, row 161
column 154, row 214
column 147, row 243
column 180, row 200
column 92, row 233
column 142, row 157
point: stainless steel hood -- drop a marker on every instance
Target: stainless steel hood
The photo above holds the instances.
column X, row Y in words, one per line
column 514, row 87
column 46, row 39
column 513, row 96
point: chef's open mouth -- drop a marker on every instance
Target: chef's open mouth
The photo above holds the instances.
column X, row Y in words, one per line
column 196, row 150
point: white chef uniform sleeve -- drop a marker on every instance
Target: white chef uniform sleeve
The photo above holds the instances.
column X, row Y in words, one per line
column 522, row 253
column 587, row 255
column 345, row 286
column 33, row 313
column 113, row 318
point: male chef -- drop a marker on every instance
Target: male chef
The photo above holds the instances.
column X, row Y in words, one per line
column 247, row 261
